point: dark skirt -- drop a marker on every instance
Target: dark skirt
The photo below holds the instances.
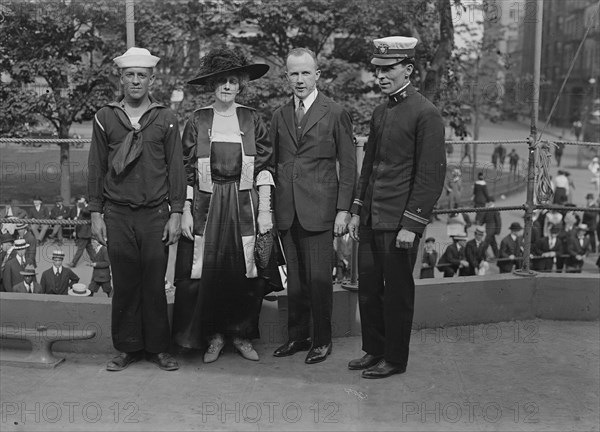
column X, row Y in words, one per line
column 224, row 300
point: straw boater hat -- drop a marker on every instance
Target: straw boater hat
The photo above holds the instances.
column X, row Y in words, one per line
column 21, row 225
column 582, row 227
column 480, row 229
column 58, row 254
column 79, row 289
column 136, row 57
column 21, row 244
column 391, row 50
column 459, row 237
column 29, row 270
column 221, row 61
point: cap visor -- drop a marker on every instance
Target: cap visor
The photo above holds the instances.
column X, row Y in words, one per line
column 385, row 61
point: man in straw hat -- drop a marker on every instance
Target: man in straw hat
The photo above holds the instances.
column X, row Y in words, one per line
column 11, row 275
column 401, row 179
column 29, row 284
column 24, row 232
column 58, row 279
column 578, row 246
column 312, row 135
column 453, row 259
column 137, row 180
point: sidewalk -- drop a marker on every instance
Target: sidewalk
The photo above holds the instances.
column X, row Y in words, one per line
column 527, row 376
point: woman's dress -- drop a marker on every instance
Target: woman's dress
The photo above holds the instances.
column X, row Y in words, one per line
column 217, row 288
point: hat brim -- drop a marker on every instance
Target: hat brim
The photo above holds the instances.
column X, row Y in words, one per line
column 27, row 273
column 459, row 238
column 21, row 247
column 254, row 71
column 73, row 293
column 378, row 61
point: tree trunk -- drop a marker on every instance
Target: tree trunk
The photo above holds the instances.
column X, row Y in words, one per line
column 65, row 166
column 433, row 77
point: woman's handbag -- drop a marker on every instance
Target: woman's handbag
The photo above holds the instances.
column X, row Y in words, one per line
column 270, row 260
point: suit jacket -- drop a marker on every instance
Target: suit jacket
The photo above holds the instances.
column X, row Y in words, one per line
column 474, row 255
column 101, row 272
column 20, row 288
column 65, row 281
column 404, row 168
column 307, row 183
column 81, row 231
column 17, row 212
column 32, row 242
column 493, row 222
column 480, row 192
column 11, row 274
column 431, row 259
column 56, row 211
column 509, row 247
column 452, row 256
column 590, row 219
column 43, row 213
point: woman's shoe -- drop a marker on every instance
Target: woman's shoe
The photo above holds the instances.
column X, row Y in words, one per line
column 245, row 348
column 214, row 349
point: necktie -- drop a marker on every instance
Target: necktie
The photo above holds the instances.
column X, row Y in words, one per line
column 29, row 289
column 300, row 112
column 551, row 243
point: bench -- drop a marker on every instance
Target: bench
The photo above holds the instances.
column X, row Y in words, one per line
column 41, row 339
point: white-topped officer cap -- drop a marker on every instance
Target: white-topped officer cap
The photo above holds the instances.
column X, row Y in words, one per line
column 393, row 49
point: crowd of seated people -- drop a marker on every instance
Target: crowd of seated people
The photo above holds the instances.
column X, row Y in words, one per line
column 20, row 240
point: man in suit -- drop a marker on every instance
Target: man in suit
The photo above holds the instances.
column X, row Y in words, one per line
column 475, row 254
column 38, row 211
column 430, row 257
column 59, row 212
column 590, row 218
column 58, row 279
column 453, row 259
column 546, row 249
column 11, row 274
column 83, row 233
column 493, row 225
column 11, row 210
column 101, row 272
column 578, row 247
column 29, row 284
column 511, row 249
column 401, row 179
column 310, row 134
column 6, row 253
column 25, row 233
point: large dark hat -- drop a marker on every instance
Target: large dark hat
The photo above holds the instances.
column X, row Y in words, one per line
column 219, row 61
column 6, row 238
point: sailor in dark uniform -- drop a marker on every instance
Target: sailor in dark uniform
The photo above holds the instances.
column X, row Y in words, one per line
column 401, row 179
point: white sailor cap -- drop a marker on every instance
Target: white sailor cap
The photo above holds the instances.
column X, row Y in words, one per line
column 136, row 57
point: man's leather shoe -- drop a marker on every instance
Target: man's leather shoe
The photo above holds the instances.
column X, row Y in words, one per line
column 164, row 361
column 292, row 347
column 364, row 362
column 123, row 360
column 383, row 369
column 318, row 354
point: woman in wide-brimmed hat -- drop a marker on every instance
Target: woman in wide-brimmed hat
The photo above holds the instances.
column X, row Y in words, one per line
column 229, row 165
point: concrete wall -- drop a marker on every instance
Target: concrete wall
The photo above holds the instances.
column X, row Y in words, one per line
column 439, row 303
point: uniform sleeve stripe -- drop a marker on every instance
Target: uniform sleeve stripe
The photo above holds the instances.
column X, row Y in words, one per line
column 99, row 124
column 416, row 218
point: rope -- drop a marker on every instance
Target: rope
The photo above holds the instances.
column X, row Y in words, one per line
column 45, row 140
column 509, row 208
column 46, row 221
